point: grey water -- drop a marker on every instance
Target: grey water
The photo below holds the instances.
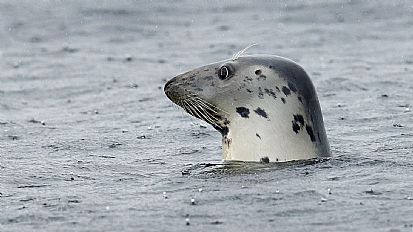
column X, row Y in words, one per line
column 89, row 141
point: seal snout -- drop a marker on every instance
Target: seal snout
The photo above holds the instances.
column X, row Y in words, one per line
column 172, row 90
column 168, row 89
column 167, row 86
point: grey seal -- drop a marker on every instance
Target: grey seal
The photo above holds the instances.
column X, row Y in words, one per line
column 265, row 107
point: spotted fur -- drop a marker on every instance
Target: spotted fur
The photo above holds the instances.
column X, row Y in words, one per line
column 266, row 108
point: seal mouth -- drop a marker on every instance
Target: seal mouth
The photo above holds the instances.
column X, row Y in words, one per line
column 197, row 107
column 202, row 109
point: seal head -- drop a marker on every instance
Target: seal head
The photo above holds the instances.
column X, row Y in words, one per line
column 265, row 107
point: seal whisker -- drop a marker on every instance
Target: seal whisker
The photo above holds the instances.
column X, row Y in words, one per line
column 186, row 107
column 238, row 54
column 211, row 106
column 206, row 109
column 186, row 103
column 192, row 111
column 209, row 117
column 196, row 97
column 179, row 102
column 203, row 114
column 203, row 105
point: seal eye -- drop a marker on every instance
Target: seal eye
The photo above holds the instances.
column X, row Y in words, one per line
column 223, row 73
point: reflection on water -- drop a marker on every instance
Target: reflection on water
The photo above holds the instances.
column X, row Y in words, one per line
column 241, row 167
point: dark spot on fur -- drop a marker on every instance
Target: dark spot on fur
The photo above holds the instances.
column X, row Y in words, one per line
column 243, row 112
column 283, row 100
column 265, row 160
column 262, row 78
column 270, row 66
column 249, row 91
column 258, row 135
column 261, row 112
column 310, row 132
column 276, row 159
column 296, row 127
column 278, row 89
column 191, row 78
column 243, row 85
column 226, row 122
column 227, row 141
column 301, row 100
column 222, row 130
column 270, row 92
column 299, row 118
column 298, row 122
column 257, row 72
column 292, row 87
column 208, row 78
column 247, row 78
column 286, row 91
column 260, row 93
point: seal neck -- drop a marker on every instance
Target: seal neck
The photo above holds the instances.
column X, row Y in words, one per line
column 276, row 139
